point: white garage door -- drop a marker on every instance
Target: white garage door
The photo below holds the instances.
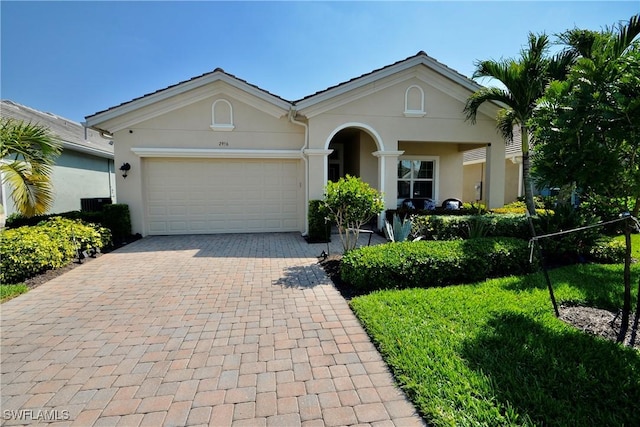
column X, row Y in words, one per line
column 185, row 196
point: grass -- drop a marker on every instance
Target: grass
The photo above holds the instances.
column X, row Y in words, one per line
column 635, row 245
column 11, row 291
column 494, row 354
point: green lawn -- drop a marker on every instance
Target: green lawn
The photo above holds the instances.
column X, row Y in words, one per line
column 10, row 291
column 494, row 353
column 635, row 245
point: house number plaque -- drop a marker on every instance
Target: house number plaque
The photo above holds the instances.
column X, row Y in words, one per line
column 223, row 144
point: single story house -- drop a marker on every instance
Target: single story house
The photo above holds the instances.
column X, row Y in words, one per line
column 84, row 169
column 216, row 154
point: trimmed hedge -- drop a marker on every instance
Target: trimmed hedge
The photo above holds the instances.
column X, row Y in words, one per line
column 116, row 217
column 451, row 227
column 27, row 251
column 434, row 263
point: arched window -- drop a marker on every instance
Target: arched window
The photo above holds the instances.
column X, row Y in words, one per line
column 414, row 102
column 222, row 115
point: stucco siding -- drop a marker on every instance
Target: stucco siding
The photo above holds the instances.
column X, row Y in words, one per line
column 75, row 176
column 449, row 173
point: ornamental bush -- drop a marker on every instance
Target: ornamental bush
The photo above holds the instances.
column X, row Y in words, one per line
column 351, row 203
column 434, row 263
column 27, row 251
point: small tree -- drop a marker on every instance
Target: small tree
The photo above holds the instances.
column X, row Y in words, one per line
column 351, row 204
column 588, row 126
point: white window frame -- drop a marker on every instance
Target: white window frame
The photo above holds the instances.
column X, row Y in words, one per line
column 436, row 175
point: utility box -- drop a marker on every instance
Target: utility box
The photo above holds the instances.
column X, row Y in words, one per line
column 94, row 204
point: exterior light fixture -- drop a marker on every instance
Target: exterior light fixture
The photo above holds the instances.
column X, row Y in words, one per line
column 126, row 167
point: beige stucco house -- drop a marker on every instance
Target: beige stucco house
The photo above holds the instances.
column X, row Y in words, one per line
column 216, row 154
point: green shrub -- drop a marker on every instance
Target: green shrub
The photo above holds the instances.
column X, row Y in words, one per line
column 567, row 248
column 319, row 226
column 117, row 218
column 429, row 263
column 608, row 251
column 351, row 203
column 27, row 251
column 445, row 227
column 84, row 236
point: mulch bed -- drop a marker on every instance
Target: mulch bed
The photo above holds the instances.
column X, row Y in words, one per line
column 591, row 320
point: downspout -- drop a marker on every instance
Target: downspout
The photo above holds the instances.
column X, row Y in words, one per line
column 292, row 115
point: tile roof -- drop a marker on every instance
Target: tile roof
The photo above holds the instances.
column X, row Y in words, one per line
column 417, row 55
column 201, row 76
column 71, row 133
column 420, row 54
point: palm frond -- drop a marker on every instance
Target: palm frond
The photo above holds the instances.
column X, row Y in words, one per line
column 483, row 95
column 506, row 120
column 34, row 150
column 626, row 36
column 31, row 192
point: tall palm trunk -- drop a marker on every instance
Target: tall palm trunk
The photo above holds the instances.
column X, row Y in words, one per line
column 526, row 172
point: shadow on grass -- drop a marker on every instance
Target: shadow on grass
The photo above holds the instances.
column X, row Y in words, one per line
column 601, row 285
column 554, row 376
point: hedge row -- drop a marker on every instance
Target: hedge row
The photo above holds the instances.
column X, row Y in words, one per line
column 434, row 263
column 116, row 217
column 27, row 251
column 450, row 227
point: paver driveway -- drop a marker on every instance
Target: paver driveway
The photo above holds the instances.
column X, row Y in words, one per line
column 195, row 330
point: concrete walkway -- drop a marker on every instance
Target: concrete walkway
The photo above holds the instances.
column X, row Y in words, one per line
column 195, row 330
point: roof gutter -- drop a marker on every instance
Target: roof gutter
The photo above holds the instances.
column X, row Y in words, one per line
column 292, row 119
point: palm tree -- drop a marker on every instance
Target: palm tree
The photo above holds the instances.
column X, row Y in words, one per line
column 27, row 155
column 525, row 80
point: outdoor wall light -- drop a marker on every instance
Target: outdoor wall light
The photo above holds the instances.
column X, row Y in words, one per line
column 126, row 167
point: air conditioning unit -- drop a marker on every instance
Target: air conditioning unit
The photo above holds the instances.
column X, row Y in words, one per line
column 94, row 204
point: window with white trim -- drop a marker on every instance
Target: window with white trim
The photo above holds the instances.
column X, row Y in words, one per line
column 417, row 178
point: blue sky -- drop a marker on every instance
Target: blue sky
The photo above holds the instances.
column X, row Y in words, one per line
column 76, row 58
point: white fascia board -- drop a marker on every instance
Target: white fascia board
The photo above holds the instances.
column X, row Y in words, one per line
column 87, row 150
column 216, row 153
column 148, row 100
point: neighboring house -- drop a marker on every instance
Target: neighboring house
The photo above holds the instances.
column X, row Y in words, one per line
column 216, row 154
column 84, row 169
column 475, row 166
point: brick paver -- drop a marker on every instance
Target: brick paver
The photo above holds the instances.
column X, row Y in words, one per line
column 213, row 330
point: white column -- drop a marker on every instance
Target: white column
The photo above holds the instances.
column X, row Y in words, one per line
column 387, row 178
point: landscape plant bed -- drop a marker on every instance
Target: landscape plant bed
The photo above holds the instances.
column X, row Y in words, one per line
column 493, row 353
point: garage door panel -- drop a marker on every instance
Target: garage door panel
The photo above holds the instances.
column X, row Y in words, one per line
column 222, row 195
